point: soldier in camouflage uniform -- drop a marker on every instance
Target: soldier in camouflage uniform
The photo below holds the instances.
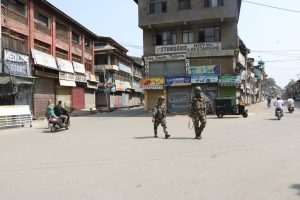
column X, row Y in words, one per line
column 197, row 112
column 159, row 115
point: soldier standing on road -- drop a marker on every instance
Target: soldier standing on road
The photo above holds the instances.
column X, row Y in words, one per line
column 159, row 114
column 197, row 112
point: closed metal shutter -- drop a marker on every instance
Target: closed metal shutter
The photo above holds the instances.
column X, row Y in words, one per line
column 102, row 99
column 44, row 90
column 178, row 100
column 153, row 97
column 89, row 97
column 157, row 69
column 64, row 94
column 175, row 68
column 78, row 98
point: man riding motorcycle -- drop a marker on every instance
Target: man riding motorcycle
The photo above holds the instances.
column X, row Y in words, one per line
column 269, row 101
column 61, row 112
column 279, row 105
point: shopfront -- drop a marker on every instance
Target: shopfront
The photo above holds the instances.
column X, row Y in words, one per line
column 16, row 83
column 229, row 86
column 45, row 68
column 90, row 91
column 153, row 88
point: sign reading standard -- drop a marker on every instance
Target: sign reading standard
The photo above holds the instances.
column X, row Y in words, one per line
column 184, row 48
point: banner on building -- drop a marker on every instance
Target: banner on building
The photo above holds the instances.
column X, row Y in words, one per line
column 153, row 83
column 80, row 78
column 67, row 79
column 165, row 58
column 16, row 64
column 178, row 81
column 230, row 80
column 204, row 78
column 184, row 48
column 210, row 69
column 43, row 59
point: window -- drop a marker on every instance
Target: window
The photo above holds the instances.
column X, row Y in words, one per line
column 211, row 34
column 41, row 19
column 213, row 3
column 184, row 4
column 76, row 58
column 62, row 32
column 16, row 6
column 76, row 38
column 101, row 59
column 187, row 36
column 60, row 53
column 158, row 7
column 88, row 65
column 165, row 38
column 87, row 42
column 41, row 46
column 13, row 41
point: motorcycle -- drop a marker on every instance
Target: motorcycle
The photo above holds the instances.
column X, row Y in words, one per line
column 269, row 104
column 291, row 108
column 278, row 113
column 56, row 124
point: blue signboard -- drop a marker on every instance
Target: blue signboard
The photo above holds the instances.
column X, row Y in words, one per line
column 204, row 79
column 178, row 81
column 210, row 69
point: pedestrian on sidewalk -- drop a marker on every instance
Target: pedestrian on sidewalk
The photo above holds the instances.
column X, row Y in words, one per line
column 159, row 115
column 197, row 112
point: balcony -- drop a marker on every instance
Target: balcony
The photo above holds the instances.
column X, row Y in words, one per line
column 42, row 28
column 14, row 15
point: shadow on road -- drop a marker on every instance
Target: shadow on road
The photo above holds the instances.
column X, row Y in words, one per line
column 145, row 137
column 296, row 187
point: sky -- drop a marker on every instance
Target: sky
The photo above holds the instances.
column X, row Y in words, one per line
column 272, row 35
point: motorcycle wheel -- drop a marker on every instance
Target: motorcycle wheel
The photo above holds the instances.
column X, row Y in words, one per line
column 53, row 129
column 245, row 115
column 220, row 115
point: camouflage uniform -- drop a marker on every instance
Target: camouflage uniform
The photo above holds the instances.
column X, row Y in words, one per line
column 159, row 114
column 197, row 112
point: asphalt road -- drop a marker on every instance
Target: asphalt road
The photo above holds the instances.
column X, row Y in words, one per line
column 113, row 156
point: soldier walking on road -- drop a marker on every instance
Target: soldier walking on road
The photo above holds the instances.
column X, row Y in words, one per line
column 197, row 112
column 159, row 114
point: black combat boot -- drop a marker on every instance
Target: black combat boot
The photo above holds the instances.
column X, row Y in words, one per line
column 167, row 135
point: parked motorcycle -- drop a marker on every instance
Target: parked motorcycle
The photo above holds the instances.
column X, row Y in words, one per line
column 291, row 108
column 56, row 124
column 278, row 113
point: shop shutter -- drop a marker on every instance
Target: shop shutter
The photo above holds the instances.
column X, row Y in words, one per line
column 153, row 97
column 178, row 99
column 157, row 69
column 64, row 94
column 89, row 96
column 78, row 98
column 175, row 68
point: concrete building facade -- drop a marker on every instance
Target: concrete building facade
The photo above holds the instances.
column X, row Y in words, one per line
column 189, row 43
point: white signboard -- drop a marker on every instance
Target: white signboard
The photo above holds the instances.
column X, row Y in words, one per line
column 66, row 76
column 14, row 110
column 78, row 67
column 184, row 48
column 210, row 53
column 65, row 65
column 165, row 58
column 43, row 59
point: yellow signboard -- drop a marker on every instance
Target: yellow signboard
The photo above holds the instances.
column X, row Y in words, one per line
column 153, row 81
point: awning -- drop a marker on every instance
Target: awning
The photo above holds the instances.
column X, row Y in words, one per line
column 67, row 83
column 43, row 59
column 65, row 65
column 16, row 80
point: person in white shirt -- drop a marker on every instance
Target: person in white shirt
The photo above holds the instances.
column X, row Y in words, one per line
column 290, row 102
column 279, row 105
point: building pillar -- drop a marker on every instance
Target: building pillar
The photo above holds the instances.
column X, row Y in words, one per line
column 146, row 106
column 93, row 57
column 53, row 30
column 82, row 49
column 70, row 44
column 31, row 25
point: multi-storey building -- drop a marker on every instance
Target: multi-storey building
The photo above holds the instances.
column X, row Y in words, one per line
column 119, row 76
column 189, row 43
column 46, row 55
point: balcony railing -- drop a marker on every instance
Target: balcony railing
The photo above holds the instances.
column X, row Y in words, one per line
column 76, row 45
column 14, row 15
column 42, row 28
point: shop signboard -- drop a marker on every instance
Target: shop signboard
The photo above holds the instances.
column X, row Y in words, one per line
column 184, row 48
column 165, row 58
column 209, row 69
column 230, row 80
column 78, row 67
column 80, row 78
column 65, row 65
column 16, row 64
column 178, row 81
column 204, row 78
column 119, row 85
column 43, row 59
column 153, row 83
column 209, row 53
column 66, row 76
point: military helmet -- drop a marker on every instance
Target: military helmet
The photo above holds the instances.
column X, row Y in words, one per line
column 162, row 97
column 198, row 89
